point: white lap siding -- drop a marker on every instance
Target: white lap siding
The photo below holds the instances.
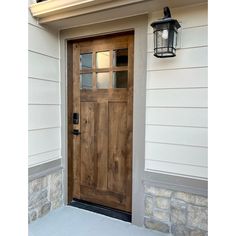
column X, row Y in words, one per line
column 176, row 99
column 44, row 94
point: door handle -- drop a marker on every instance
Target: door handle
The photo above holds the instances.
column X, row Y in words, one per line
column 76, row 132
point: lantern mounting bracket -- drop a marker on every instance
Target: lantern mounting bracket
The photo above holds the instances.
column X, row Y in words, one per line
column 167, row 13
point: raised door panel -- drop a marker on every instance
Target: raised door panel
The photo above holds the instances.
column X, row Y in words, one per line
column 117, row 146
column 102, row 146
column 87, row 143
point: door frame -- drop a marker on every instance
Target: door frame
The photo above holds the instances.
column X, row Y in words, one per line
column 139, row 25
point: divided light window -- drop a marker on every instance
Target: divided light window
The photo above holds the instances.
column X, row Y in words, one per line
column 104, row 69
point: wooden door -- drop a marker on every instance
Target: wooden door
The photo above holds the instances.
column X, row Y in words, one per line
column 100, row 157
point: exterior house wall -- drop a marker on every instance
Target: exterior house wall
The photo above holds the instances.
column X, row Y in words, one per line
column 176, row 99
column 176, row 127
column 44, row 94
column 45, row 190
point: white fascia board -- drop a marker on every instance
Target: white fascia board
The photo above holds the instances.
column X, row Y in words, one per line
column 60, row 9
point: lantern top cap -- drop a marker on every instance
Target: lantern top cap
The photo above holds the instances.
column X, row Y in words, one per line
column 166, row 19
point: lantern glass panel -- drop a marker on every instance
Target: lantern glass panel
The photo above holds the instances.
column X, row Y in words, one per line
column 165, row 39
column 175, row 39
column 162, row 40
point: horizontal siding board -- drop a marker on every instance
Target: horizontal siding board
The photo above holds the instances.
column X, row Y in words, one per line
column 185, row 78
column 43, row 41
column 196, row 97
column 43, row 92
column 194, row 37
column 196, row 117
column 44, row 140
column 177, row 154
column 188, row 16
column 177, row 135
column 43, row 116
column 191, row 37
column 43, row 158
column 176, row 169
column 43, row 67
column 185, row 58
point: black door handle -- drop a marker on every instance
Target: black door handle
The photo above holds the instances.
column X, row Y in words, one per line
column 76, row 132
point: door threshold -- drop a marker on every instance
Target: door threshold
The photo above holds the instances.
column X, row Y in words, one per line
column 114, row 213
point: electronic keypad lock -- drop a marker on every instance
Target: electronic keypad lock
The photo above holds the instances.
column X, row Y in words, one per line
column 75, row 118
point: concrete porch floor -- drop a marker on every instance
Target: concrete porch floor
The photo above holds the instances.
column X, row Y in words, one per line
column 71, row 221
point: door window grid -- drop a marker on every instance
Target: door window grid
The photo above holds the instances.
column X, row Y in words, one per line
column 105, row 67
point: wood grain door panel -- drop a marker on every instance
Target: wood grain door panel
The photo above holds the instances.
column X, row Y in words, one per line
column 100, row 158
column 87, row 147
column 102, row 146
column 117, row 146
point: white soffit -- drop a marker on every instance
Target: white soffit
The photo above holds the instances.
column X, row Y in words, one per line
column 62, row 14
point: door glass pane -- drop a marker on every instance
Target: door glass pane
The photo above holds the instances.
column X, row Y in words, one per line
column 103, row 80
column 86, row 81
column 103, row 59
column 120, row 57
column 86, row 61
column 120, row 79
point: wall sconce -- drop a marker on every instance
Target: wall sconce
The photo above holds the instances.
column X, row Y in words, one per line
column 165, row 33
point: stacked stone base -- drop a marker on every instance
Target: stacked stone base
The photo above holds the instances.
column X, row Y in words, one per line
column 175, row 213
column 44, row 194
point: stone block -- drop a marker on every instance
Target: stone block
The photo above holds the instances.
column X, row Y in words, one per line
column 55, row 181
column 44, row 209
column 162, row 202
column 178, row 204
column 197, row 233
column 201, row 201
column 191, row 198
column 56, row 203
column 156, row 225
column 177, row 216
column 32, row 215
column 178, row 211
column 155, row 191
column 37, row 185
column 180, row 230
column 197, row 217
column 36, row 199
column 148, row 203
column 161, row 215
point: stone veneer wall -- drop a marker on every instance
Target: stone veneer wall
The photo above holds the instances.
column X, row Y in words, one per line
column 176, row 213
column 44, row 194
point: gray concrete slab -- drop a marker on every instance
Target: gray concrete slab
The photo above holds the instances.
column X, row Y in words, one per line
column 71, row 221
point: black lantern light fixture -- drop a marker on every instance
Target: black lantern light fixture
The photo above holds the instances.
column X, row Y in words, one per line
column 165, row 33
